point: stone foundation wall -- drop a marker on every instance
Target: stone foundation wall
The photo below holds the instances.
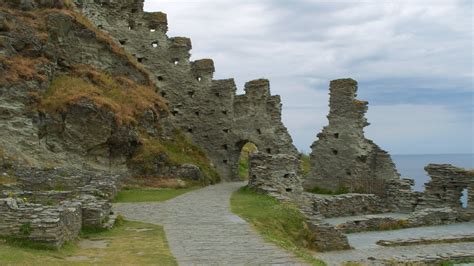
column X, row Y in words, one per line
column 49, row 225
column 346, row 204
column 54, row 217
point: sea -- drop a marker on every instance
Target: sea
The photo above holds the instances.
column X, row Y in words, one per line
column 412, row 166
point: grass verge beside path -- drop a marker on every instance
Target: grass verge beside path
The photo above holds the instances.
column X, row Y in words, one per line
column 150, row 195
column 131, row 243
column 279, row 223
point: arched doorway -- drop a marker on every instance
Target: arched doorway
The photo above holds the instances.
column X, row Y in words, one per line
column 465, row 198
column 246, row 149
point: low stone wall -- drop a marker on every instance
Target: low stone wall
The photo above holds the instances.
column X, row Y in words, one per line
column 37, row 208
column 426, row 241
column 424, row 217
column 49, row 225
column 346, row 204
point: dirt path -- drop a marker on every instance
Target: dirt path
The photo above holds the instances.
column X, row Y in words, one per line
column 202, row 230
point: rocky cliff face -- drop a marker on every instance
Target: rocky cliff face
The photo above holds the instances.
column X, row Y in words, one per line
column 99, row 84
column 342, row 157
column 69, row 96
column 207, row 110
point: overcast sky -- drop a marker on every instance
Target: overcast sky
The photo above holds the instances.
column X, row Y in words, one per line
column 413, row 60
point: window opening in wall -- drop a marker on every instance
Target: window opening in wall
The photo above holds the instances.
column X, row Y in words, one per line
column 225, row 130
column 160, row 78
column 199, row 79
column 175, row 61
column 217, row 94
column 289, row 189
column 174, row 113
column 197, row 113
column 190, row 130
column 225, row 147
column 243, row 167
column 140, row 59
column 286, row 176
column 122, row 42
column 100, row 26
column 191, row 94
column 163, row 94
column 259, row 131
column 152, row 30
column 269, row 150
column 154, row 44
column 134, row 10
column 348, row 172
column 336, row 135
column 465, row 198
column 224, row 112
column 334, row 151
column 225, row 161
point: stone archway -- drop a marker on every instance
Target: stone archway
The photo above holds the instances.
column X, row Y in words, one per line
column 242, row 168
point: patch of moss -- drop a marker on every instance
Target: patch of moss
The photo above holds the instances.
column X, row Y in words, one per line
column 118, row 94
column 176, row 151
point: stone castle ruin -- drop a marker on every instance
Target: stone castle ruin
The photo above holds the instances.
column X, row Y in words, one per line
column 208, row 110
column 343, row 158
column 51, row 205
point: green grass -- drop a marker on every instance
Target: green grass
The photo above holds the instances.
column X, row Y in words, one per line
column 339, row 191
column 132, row 243
column 305, row 165
column 248, row 149
column 153, row 195
column 277, row 222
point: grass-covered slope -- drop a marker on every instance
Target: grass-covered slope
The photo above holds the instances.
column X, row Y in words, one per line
column 125, row 98
column 277, row 222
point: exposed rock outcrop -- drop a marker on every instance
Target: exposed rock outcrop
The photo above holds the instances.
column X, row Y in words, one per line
column 343, row 157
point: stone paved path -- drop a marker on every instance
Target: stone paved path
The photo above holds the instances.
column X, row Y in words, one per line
column 201, row 229
column 365, row 244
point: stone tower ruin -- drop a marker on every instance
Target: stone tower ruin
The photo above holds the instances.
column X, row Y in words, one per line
column 342, row 158
column 208, row 110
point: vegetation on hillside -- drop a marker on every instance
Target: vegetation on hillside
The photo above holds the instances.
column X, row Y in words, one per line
column 174, row 151
column 126, row 99
column 131, row 243
column 278, row 222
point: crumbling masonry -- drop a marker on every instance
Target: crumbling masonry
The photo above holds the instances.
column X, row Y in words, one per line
column 343, row 158
column 208, row 110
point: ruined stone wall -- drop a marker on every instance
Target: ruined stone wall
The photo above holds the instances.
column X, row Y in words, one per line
column 208, row 110
column 446, row 187
column 342, row 157
column 49, row 225
column 274, row 174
